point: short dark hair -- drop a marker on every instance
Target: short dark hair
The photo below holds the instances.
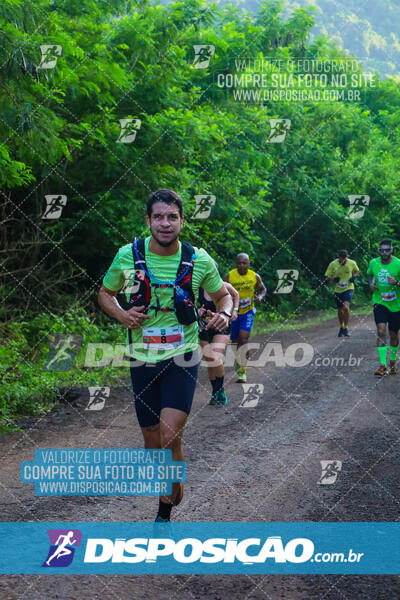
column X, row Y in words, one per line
column 343, row 254
column 166, row 196
column 385, row 242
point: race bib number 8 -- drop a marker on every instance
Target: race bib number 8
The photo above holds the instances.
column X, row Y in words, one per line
column 163, row 338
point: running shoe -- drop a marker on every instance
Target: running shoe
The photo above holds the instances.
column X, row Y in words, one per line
column 219, row 399
column 242, row 378
column 393, row 370
column 381, row 371
column 237, row 366
column 340, row 334
column 346, row 332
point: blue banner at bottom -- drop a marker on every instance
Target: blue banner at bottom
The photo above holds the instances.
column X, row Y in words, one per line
column 199, row 548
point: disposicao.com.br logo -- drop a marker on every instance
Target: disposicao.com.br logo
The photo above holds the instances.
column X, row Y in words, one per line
column 248, row 551
column 191, row 550
column 200, row 547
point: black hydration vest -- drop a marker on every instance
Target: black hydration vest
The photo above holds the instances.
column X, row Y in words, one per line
column 184, row 300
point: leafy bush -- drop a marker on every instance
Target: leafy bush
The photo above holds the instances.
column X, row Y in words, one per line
column 28, row 388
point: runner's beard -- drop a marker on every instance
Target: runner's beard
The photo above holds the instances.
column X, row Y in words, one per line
column 162, row 242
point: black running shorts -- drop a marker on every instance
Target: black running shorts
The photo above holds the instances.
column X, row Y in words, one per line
column 383, row 315
column 168, row 383
column 207, row 335
column 341, row 297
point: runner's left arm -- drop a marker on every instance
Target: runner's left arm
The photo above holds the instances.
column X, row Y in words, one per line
column 355, row 274
column 223, row 301
column 234, row 294
column 235, row 298
column 261, row 289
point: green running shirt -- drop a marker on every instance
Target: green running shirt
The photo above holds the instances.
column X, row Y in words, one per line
column 162, row 330
column 388, row 295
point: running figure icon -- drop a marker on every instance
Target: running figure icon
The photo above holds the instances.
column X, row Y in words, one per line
column 62, row 549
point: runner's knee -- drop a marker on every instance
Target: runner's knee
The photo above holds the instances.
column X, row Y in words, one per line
column 170, row 438
column 381, row 330
column 151, row 436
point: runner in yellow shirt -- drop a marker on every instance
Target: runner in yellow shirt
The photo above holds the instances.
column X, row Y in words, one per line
column 246, row 282
column 343, row 271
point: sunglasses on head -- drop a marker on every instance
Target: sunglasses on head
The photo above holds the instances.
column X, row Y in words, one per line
column 383, row 250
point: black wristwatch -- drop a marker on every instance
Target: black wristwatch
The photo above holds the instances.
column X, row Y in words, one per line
column 223, row 312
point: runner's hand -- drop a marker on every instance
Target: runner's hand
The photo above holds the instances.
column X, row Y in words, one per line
column 134, row 317
column 257, row 299
column 217, row 321
column 202, row 311
column 391, row 280
column 336, row 279
column 373, row 287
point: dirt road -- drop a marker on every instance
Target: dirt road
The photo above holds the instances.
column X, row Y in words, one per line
column 259, row 463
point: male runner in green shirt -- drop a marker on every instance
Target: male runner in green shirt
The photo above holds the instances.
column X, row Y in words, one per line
column 343, row 272
column 164, row 358
column 384, row 280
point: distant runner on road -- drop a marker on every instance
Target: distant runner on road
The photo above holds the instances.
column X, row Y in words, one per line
column 246, row 282
column 384, row 280
column 343, row 271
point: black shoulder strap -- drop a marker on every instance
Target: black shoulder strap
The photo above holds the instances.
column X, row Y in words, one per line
column 201, row 298
column 187, row 259
column 138, row 253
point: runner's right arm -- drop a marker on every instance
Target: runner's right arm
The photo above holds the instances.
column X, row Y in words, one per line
column 329, row 276
column 132, row 318
column 371, row 280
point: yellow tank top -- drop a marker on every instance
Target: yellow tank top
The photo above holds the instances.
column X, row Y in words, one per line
column 245, row 286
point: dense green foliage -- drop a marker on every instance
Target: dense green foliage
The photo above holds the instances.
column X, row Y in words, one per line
column 368, row 29
column 27, row 386
column 285, row 203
